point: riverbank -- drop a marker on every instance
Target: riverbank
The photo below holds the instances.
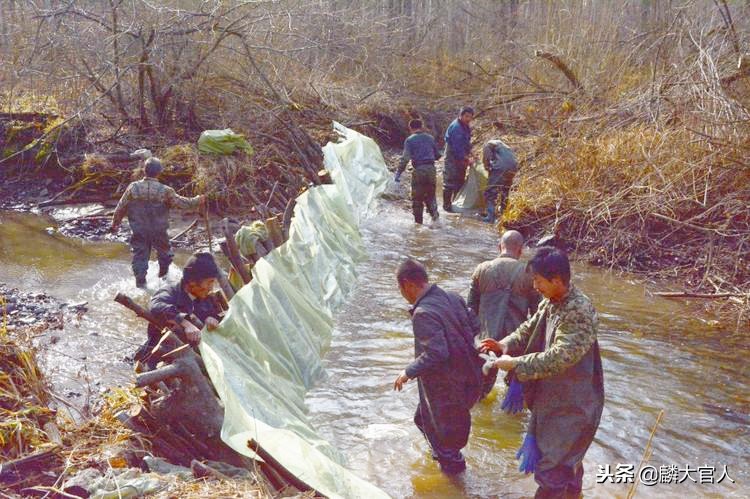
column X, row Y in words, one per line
column 617, row 195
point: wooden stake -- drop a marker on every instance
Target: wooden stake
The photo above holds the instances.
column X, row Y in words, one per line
column 646, row 455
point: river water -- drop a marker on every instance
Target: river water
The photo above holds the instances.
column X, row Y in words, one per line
column 658, row 355
column 90, row 353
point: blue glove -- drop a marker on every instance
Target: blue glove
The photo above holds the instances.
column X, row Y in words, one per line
column 397, row 178
column 513, row 401
column 529, row 454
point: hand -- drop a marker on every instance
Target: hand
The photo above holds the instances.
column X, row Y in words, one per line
column 506, row 363
column 489, row 362
column 490, row 345
column 192, row 333
column 398, row 385
column 212, row 323
column 114, row 228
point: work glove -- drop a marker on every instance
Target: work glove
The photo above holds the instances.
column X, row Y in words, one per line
column 513, row 401
column 489, row 361
column 397, row 178
column 529, row 454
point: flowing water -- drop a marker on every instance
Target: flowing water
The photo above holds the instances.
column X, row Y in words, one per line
column 90, row 353
column 657, row 355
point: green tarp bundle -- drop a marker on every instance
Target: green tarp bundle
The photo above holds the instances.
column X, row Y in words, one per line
column 268, row 351
column 222, row 142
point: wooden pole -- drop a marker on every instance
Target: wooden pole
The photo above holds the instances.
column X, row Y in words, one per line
column 233, row 253
column 280, row 469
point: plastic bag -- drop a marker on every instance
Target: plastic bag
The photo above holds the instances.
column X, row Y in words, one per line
column 470, row 197
column 268, row 350
column 223, row 142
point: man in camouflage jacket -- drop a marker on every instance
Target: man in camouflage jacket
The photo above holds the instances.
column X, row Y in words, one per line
column 555, row 355
column 146, row 203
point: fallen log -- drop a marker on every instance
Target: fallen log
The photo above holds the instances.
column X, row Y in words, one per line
column 159, row 374
column 189, row 228
column 18, row 468
column 141, row 312
column 708, row 296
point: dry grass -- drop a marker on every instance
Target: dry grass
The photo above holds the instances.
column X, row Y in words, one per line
column 24, row 398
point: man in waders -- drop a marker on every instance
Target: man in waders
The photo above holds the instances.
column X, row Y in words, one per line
column 457, row 156
column 555, row 355
column 146, row 203
column 502, row 295
column 446, row 365
column 174, row 303
column 501, row 165
column 420, row 148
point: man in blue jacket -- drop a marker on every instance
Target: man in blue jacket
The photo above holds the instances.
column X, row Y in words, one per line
column 457, row 155
column 446, row 365
column 420, row 148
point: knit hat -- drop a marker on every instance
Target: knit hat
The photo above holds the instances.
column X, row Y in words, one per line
column 152, row 166
column 198, row 267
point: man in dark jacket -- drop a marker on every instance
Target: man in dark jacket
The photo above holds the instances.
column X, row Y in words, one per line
column 420, row 148
column 174, row 303
column 446, row 366
column 457, row 155
column 555, row 355
column 146, row 203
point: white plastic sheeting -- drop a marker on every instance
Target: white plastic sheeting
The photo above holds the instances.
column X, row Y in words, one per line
column 267, row 352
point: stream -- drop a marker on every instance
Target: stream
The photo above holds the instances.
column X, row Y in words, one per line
column 90, row 353
column 658, row 355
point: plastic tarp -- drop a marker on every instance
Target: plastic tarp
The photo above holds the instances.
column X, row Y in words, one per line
column 268, row 351
column 470, row 196
column 222, row 142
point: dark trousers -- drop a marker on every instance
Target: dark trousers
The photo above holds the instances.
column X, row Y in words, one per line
column 446, row 428
column 500, row 183
column 560, row 482
column 423, row 180
column 141, row 244
column 454, row 174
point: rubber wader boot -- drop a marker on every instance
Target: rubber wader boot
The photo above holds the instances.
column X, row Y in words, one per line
column 448, row 200
column 418, row 215
column 163, row 270
column 490, row 218
column 140, row 281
